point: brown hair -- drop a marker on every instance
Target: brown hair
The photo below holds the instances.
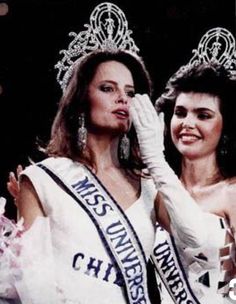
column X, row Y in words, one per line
column 213, row 79
column 63, row 140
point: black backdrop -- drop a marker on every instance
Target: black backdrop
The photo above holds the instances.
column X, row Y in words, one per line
column 33, row 32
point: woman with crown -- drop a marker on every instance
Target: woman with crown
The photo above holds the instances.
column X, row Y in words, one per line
column 97, row 183
column 88, row 208
column 200, row 110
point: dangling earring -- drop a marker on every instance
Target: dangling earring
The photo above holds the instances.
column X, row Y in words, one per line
column 125, row 147
column 82, row 133
column 223, row 149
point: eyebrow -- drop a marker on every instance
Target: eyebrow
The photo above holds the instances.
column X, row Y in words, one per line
column 115, row 83
column 205, row 109
column 196, row 109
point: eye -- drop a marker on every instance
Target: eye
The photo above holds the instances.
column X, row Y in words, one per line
column 180, row 113
column 204, row 115
column 106, row 88
column 130, row 93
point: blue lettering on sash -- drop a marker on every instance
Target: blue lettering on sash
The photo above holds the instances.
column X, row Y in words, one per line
column 90, row 193
column 97, row 268
column 163, row 255
column 94, row 265
column 129, row 258
column 118, row 236
column 121, row 239
column 108, row 272
column 83, row 185
column 122, row 244
column 76, row 257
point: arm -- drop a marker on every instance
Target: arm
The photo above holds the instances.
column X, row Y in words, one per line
column 29, row 205
column 162, row 214
column 183, row 218
column 36, row 257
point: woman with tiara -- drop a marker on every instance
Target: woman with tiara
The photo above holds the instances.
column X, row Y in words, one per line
column 200, row 145
column 88, row 208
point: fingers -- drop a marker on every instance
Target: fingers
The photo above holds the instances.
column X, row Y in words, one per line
column 12, row 179
column 145, row 105
column 13, row 189
column 13, row 184
column 142, row 111
column 19, row 169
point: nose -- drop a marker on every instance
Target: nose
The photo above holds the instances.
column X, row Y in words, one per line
column 188, row 122
column 122, row 97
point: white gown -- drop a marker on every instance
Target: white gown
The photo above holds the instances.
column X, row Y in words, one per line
column 208, row 268
column 68, row 261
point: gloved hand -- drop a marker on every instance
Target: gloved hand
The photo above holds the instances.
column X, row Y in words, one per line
column 186, row 217
column 149, row 127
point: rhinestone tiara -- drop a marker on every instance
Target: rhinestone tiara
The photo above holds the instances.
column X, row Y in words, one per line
column 107, row 30
column 217, row 45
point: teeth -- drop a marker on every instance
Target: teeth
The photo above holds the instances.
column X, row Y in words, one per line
column 189, row 137
column 121, row 112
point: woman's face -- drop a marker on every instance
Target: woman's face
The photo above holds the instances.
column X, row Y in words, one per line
column 196, row 124
column 110, row 93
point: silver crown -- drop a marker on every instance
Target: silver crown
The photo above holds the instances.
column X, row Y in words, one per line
column 108, row 30
column 217, row 46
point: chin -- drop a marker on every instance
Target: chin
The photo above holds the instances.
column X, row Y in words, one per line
column 192, row 155
column 189, row 153
column 123, row 128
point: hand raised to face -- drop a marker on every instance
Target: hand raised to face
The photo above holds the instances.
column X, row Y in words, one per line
column 13, row 184
column 148, row 124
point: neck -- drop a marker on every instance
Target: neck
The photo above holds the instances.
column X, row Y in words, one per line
column 105, row 150
column 200, row 172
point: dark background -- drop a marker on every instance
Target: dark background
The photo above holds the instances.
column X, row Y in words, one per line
column 33, row 32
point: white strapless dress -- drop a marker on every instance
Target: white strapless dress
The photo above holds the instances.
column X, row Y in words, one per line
column 209, row 268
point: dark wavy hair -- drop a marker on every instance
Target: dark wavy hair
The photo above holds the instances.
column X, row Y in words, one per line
column 64, row 130
column 215, row 80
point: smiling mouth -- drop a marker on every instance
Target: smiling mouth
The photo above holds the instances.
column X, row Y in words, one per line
column 188, row 138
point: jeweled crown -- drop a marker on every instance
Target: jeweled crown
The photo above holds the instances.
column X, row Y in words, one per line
column 108, row 29
column 217, row 46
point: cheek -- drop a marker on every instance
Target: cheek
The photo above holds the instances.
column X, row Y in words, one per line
column 96, row 109
column 174, row 126
column 95, row 114
column 215, row 132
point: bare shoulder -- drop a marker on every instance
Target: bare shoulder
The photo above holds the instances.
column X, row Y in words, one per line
column 231, row 192
column 231, row 185
column 230, row 206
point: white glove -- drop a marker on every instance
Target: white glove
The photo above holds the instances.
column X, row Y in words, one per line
column 149, row 127
column 187, row 219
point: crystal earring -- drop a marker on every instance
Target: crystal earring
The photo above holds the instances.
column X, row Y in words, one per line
column 82, row 133
column 125, row 147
